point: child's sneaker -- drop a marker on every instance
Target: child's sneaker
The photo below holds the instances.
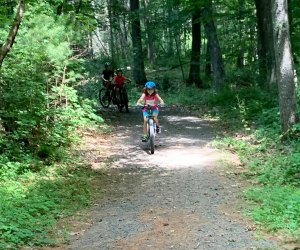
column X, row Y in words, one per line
column 145, row 138
column 157, row 129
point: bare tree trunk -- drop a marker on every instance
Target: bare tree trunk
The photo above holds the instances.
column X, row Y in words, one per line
column 170, row 38
column 266, row 45
column 179, row 56
column 241, row 31
column 284, row 65
column 110, row 5
column 139, row 75
column 13, row 32
column 194, row 75
column 207, row 62
column 150, row 36
column 214, row 48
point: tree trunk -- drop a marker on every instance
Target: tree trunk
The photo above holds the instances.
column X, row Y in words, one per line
column 139, row 75
column 150, row 37
column 284, row 65
column 169, row 35
column 13, row 32
column 207, row 62
column 112, row 50
column 266, row 45
column 194, row 75
column 151, row 45
column 240, row 62
column 214, row 48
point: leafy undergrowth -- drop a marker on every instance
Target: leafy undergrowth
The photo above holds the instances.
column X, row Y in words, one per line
column 250, row 126
column 278, row 207
column 32, row 204
column 272, row 171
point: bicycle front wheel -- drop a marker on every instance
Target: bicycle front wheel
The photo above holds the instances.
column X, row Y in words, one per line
column 151, row 137
column 151, row 141
column 104, row 97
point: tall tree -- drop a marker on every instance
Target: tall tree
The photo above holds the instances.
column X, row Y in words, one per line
column 284, row 65
column 194, row 75
column 13, row 32
column 139, row 75
column 169, row 33
column 110, row 9
column 214, row 47
column 150, row 34
column 266, row 51
column 241, row 49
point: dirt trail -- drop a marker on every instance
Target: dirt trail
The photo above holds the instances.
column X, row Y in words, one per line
column 178, row 198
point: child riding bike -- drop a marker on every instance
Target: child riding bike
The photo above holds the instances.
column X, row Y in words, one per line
column 119, row 82
column 152, row 98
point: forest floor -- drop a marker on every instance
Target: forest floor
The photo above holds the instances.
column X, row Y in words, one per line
column 187, row 195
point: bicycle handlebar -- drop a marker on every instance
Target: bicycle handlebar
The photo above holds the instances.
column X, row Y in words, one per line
column 148, row 106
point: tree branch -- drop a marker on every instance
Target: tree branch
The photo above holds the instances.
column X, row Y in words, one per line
column 13, row 32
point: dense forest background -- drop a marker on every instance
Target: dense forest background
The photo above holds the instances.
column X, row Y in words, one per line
column 236, row 60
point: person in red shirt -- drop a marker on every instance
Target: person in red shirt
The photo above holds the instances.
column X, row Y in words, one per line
column 119, row 81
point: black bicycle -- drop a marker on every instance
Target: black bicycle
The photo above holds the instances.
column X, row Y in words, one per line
column 115, row 95
column 106, row 95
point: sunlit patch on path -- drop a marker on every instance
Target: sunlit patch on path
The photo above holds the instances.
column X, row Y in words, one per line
column 172, row 199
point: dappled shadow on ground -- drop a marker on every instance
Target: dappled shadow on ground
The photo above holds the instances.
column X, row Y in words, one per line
column 183, row 142
column 173, row 199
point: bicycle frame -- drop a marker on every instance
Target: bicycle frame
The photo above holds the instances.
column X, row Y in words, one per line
column 114, row 94
column 151, row 128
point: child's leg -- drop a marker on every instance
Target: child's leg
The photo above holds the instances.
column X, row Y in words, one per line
column 157, row 124
column 145, row 136
column 156, row 120
column 145, row 125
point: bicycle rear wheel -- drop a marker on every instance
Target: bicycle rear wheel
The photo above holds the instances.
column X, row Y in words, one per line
column 104, row 97
column 125, row 99
column 120, row 103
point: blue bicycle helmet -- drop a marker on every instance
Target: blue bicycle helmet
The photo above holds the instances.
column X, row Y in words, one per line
column 150, row 85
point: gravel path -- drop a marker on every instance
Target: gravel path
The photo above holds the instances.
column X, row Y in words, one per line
column 178, row 198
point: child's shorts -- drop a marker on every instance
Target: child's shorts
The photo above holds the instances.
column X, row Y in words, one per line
column 147, row 113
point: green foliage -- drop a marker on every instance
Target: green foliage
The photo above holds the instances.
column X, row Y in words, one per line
column 280, row 170
column 279, row 207
column 41, row 114
column 272, row 165
column 186, row 95
column 32, row 204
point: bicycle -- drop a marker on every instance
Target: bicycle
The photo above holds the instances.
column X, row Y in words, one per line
column 114, row 94
column 106, row 95
column 151, row 128
column 121, row 98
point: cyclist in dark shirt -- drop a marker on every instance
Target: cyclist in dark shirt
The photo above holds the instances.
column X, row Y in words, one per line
column 107, row 75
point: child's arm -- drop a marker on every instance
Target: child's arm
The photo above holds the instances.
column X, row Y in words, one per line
column 162, row 103
column 141, row 100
